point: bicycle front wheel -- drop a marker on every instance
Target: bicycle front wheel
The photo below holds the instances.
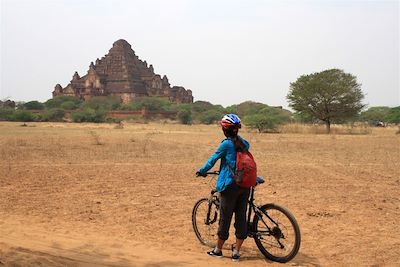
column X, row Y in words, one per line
column 205, row 217
column 277, row 233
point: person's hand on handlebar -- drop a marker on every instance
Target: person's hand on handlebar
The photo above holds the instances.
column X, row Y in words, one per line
column 200, row 174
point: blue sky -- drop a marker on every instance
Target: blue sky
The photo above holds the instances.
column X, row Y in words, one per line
column 225, row 51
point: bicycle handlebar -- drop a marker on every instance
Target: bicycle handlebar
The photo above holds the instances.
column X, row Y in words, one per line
column 259, row 180
column 207, row 173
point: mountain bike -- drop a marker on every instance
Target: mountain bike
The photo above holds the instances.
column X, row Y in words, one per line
column 273, row 227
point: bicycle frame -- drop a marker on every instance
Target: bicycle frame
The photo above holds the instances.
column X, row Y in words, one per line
column 249, row 209
column 253, row 207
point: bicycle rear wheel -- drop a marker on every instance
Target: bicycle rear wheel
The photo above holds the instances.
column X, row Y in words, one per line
column 205, row 217
column 277, row 233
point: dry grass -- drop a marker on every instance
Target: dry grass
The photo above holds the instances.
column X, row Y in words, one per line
column 295, row 128
column 139, row 186
column 96, row 138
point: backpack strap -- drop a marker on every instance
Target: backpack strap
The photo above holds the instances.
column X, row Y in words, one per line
column 239, row 147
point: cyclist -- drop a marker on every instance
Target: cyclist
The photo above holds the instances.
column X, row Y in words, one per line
column 233, row 198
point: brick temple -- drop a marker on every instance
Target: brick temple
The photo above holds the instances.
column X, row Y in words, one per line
column 121, row 73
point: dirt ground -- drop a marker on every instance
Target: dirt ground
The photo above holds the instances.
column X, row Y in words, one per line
column 93, row 195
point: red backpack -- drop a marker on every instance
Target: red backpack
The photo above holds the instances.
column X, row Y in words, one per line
column 245, row 174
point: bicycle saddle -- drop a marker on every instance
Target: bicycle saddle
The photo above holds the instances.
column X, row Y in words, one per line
column 260, row 180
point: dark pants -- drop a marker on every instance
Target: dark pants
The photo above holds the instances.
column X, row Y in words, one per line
column 233, row 199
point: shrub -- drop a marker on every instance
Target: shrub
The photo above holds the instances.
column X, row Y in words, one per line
column 201, row 106
column 96, row 138
column 70, row 105
column 375, row 114
column 156, row 104
column 393, row 115
column 231, row 109
column 261, row 122
column 54, row 114
column 7, row 114
column 185, row 116
column 113, row 120
column 210, row 116
column 103, row 103
column 35, row 105
column 131, row 107
column 303, row 117
column 57, row 101
column 150, row 104
column 246, row 108
column 268, row 119
column 23, row 115
column 88, row 115
column 180, row 107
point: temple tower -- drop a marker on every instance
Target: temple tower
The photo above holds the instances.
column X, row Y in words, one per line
column 121, row 73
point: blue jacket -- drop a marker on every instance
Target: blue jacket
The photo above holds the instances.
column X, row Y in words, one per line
column 227, row 153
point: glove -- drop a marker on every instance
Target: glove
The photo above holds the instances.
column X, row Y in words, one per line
column 200, row 174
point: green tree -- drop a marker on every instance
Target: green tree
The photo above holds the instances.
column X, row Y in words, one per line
column 102, row 103
column 302, row 117
column 7, row 114
column 57, row 101
column 88, row 115
column 33, row 105
column 329, row 95
column 150, row 104
column 246, row 108
column 185, row 116
column 375, row 114
column 54, row 114
column 70, row 105
column 23, row 115
column 267, row 119
column 231, row 109
column 201, row 106
column 210, row 116
column 393, row 115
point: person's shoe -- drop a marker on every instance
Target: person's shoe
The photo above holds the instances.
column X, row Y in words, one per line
column 235, row 257
column 212, row 253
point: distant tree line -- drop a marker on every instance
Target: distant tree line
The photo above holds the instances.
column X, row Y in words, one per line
column 255, row 115
column 330, row 96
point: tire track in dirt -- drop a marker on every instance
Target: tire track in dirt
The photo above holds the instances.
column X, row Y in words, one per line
column 23, row 245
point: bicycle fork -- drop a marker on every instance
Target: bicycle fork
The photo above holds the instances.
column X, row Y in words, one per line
column 211, row 217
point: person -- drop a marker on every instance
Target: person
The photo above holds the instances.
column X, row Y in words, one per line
column 233, row 199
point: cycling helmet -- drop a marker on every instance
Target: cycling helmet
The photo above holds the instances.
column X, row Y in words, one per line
column 230, row 121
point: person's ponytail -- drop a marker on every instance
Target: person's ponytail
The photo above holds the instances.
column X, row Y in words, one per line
column 239, row 145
